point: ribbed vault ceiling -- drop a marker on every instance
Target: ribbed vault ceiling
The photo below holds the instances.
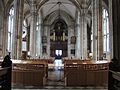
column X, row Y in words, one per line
column 49, row 6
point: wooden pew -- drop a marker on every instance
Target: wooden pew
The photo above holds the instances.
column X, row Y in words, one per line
column 33, row 72
column 115, row 80
column 5, row 78
column 78, row 74
column 28, row 77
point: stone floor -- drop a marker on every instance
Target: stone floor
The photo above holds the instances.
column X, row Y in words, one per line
column 64, row 88
column 58, row 88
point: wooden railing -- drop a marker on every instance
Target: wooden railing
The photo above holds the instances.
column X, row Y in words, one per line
column 5, row 78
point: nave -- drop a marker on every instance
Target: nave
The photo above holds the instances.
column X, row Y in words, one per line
column 81, row 29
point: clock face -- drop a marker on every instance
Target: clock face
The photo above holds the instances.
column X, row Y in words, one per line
column 24, row 33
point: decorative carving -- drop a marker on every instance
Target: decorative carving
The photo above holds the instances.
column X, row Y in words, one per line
column 44, row 39
column 44, row 49
column 73, row 39
column 1, row 47
column 73, row 51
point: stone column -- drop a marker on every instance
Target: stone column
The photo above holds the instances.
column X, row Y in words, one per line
column 100, row 34
column 111, row 29
column 48, row 41
column 85, row 53
column 69, row 42
column 78, row 36
column 33, row 29
column 46, row 32
column 1, row 34
column 94, row 30
column 1, row 30
column 39, row 37
column 83, row 37
column 1, row 27
column 4, row 35
column 17, row 29
column 116, row 28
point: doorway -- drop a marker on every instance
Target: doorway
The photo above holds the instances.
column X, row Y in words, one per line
column 58, row 54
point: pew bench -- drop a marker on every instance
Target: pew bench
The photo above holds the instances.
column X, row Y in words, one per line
column 78, row 74
column 5, row 77
column 33, row 73
column 116, row 81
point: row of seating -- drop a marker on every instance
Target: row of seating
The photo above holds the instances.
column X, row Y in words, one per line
column 76, row 73
column 88, row 74
column 5, row 78
column 33, row 72
column 114, row 80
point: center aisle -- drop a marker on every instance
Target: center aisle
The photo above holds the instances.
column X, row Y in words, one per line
column 55, row 74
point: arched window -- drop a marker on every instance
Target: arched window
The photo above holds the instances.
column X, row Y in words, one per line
column 105, row 31
column 10, row 28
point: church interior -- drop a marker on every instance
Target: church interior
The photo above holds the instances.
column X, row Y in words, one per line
column 61, row 44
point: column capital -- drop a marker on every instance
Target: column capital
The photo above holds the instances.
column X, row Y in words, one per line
column 32, row 1
column 33, row 7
